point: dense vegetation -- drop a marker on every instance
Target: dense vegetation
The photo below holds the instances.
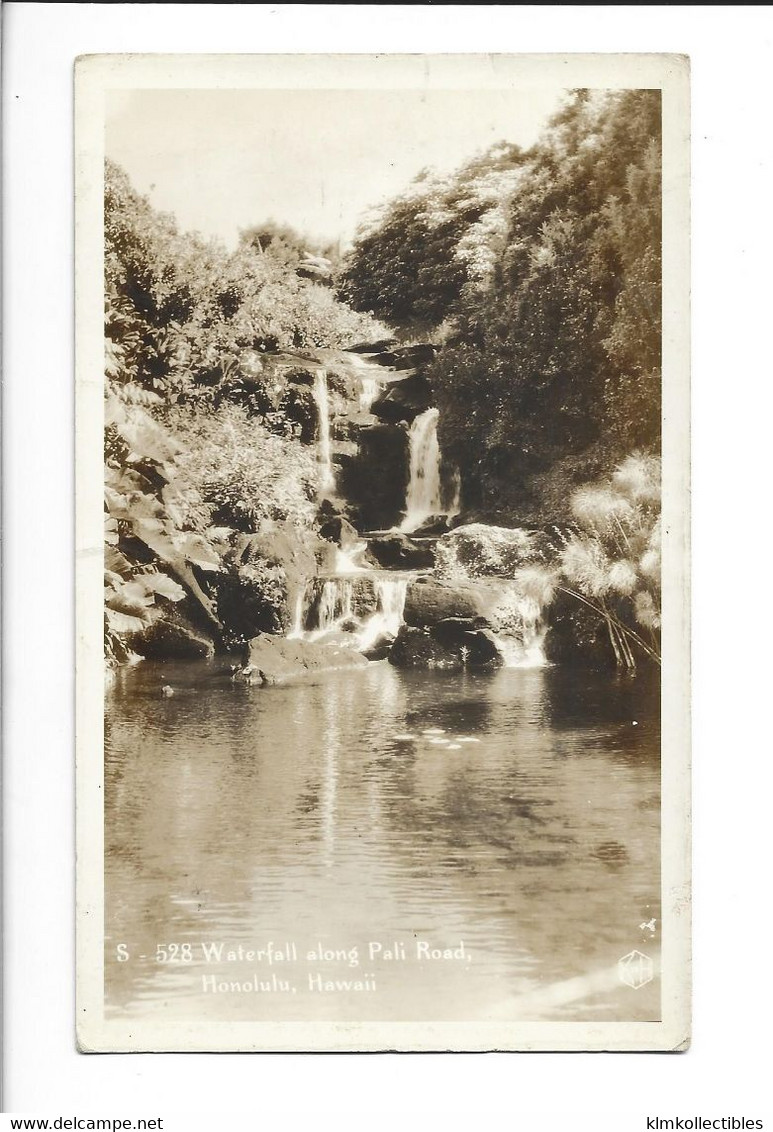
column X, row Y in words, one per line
column 201, row 449
column 536, row 273
column 539, row 272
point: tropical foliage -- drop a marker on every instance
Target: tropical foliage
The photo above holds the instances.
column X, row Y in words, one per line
column 540, row 273
column 198, row 449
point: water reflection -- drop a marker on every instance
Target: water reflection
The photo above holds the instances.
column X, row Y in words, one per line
column 360, row 810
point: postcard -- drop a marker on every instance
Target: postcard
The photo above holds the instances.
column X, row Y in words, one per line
column 382, row 370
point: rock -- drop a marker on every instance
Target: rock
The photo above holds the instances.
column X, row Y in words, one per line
column 298, row 375
column 490, row 603
column 577, row 635
column 171, row 638
column 404, row 400
column 482, row 649
column 419, row 355
column 398, row 551
column 350, row 426
column 442, row 648
column 475, row 643
column 380, row 649
column 453, row 630
column 376, row 480
column 385, row 357
column 415, row 648
column 364, row 596
column 429, row 601
column 372, row 347
column 330, row 509
column 476, row 550
column 316, row 268
column 432, row 525
column 340, row 531
column 276, row 660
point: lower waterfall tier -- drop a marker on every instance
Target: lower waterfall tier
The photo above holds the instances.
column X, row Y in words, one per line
column 418, row 621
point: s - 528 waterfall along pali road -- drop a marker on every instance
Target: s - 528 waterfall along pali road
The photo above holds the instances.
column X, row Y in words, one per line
column 393, row 554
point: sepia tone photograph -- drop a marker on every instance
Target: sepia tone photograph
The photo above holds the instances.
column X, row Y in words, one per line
column 382, row 667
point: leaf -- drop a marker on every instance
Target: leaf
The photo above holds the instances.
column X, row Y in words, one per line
column 124, row 623
column 164, row 586
column 116, row 563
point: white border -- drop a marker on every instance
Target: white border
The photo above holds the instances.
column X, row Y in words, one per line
column 731, row 56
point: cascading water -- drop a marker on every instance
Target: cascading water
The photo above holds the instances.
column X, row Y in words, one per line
column 332, row 611
column 349, row 559
column 363, row 608
column 388, row 618
column 299, row 606
column 424, row 490
column 327, row 481
column 521, row 636
column 369, row 391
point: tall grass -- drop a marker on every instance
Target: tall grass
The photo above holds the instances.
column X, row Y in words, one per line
column 611, row 562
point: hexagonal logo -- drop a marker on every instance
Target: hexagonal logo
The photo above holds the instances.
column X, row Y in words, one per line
column 635, row 969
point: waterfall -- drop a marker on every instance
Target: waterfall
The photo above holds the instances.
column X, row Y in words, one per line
column 335, row 604
column 326, row 475
column 387, row 617
column 522, row 634
column 348, row 560
column 333, row 611
column 369, row 390
column 424, row 492
column 299, row 609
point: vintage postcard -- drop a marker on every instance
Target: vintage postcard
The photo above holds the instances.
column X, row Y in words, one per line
column 382, row 552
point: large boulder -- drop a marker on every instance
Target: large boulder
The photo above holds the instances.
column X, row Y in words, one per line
column 404, row 400
column 398, row 551
column 172, row 637
column 476, row 644
column 476, row 550
column 380, row 649
column 577, row 635
column 276, row 660
column 415, row 648
column 429, row 600
column 451, row 648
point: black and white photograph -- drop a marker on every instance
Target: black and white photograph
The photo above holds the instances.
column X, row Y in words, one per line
column 383, row 657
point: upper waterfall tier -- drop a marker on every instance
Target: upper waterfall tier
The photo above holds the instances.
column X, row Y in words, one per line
column 425, row 497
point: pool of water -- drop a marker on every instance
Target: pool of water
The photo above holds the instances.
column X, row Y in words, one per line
column 381, row 845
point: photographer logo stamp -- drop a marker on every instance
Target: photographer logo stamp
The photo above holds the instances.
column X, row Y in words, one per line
column 635, row 969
